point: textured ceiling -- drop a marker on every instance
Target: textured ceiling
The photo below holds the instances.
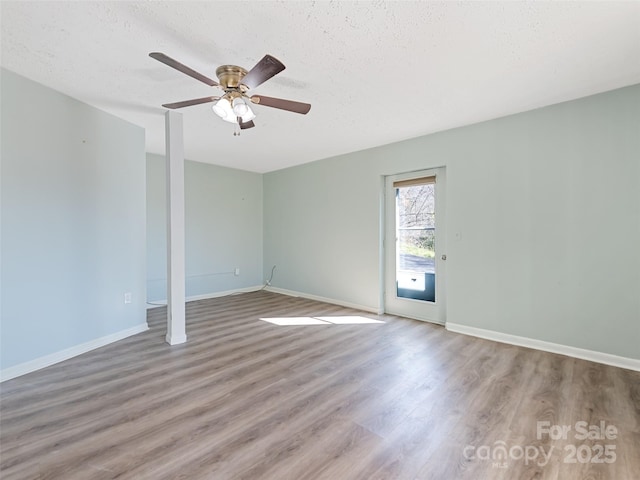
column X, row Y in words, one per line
column 375, row 72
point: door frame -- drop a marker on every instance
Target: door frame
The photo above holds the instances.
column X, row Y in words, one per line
column 388, row 247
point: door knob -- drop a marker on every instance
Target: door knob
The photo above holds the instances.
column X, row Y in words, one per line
column 443, row 257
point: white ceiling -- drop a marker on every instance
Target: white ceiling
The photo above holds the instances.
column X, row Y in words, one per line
column 375, row 72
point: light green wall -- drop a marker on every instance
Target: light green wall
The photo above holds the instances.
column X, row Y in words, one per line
column 73, row 222
column 546, row 205
column 223, row 228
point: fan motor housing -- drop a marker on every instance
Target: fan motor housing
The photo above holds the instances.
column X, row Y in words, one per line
column 230, row 75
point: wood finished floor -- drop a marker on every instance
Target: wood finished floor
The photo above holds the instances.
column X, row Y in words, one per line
column 245, row 399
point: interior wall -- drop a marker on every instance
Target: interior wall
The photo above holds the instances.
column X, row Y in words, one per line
column 543, row 222
column 223, row 229
column 73, row 222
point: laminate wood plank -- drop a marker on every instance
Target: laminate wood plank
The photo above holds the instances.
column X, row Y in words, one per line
column 246, row 399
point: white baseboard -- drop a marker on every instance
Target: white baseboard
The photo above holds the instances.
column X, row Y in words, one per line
column 591, row 355
column 175, row 339
column 193, row 298
column 293, row 293
column 47, row 360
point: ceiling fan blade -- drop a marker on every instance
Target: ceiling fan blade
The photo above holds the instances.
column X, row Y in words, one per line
column 188, row 103
column 245, row 125
column 161, row 57
column 282, row 104
column 263, row 71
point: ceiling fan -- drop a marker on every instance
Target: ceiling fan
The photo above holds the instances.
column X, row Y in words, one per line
column 235, row 81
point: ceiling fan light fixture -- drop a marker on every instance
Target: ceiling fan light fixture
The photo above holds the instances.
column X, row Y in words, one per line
column 240, row 108
column 223, row 109
column 218, row 108
column 247, row 117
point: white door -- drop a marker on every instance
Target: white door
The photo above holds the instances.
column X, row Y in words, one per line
column 414, row 245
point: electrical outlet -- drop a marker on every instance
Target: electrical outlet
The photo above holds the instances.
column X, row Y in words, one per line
column 127, row 297
column 237, row 271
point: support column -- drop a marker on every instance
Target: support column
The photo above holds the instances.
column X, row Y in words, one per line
column 176, row 311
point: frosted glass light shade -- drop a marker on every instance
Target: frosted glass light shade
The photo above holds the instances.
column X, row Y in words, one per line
column 240, row 108
column 223, row 109
column 247, row 117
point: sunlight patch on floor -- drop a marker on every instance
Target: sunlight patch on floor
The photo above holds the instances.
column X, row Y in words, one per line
column 294, row 321
column 349, row 320
column 341, row 320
